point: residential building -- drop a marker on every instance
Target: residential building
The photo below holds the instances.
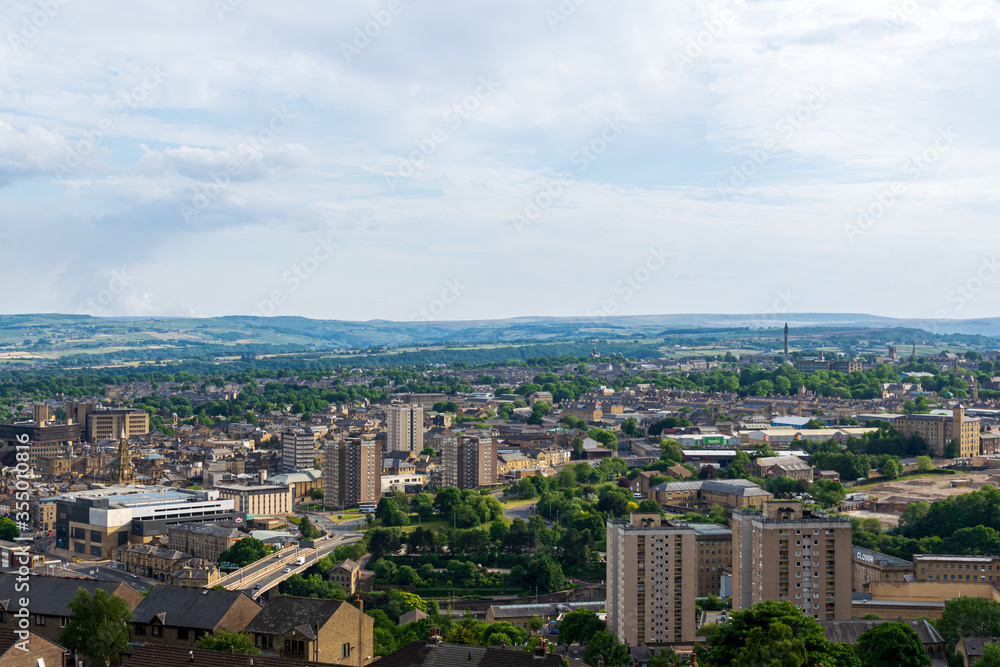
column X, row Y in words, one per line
column 162, row 655
column 346, row 573
column 314, row 629
column 203, row 540
column 50, row 598
column 970, row 649
column 94, row 522
column 782, row 552
column 181, row 616
column 939, row 430
column 404, row 428
column 435, row 653
column 297, row 449
column 352, row 473
column 821, row 364
column 469, row 462
column 714, row 544
column 35, row 650
column 650, row 584
column 259, row 500
column 868, row 566
column 410, row 483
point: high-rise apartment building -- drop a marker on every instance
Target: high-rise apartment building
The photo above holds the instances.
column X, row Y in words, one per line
column 715, row 545
column 404, row 428
column 297, row 450
column 783, row 553
column 651, row 569
column 469, row 462
column 352, row 473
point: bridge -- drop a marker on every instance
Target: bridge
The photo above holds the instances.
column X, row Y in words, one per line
column 261, row 576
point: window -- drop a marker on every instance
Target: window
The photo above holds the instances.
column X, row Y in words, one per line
column 182, row 633
column 140, row 629
column 156, row 630
column 345, row 650
column 39, row 619
column 63, row 621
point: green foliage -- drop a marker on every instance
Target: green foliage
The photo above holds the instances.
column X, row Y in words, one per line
column 967, row 617
column 990, row 657
column 8, row 529
column 605, row 646
column 383, row 541
column 827, row 492
column 892, row 645
column 924, row 464
column 97, row 626
column 578, row 625
column 308, row 530
column 769, row 633
column 230, row 642
column 667, row 423
column 245, row 551
column 502, row 633
column 888, row 466
column 311, row 586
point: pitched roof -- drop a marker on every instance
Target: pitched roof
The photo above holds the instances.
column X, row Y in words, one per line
column 178, row 606
column 847, row 632
column 974, row 645
column 51, row 596
column 162, row 655
column 8, row 638
column 426, row 654
column 287, row 612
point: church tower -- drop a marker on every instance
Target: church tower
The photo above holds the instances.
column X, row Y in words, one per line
column 786, row 341
column 124, row 473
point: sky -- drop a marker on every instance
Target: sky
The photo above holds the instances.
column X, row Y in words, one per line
column 431, row 160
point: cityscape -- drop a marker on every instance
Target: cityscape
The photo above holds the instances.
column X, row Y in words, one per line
column 541, row 333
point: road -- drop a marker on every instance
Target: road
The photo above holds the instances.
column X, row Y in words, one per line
column 520, row 512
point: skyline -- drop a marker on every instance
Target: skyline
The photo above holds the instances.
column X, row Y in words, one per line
column 566, row 159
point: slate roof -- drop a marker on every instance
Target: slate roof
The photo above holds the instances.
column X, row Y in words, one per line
column 974, row 645
column 426, row 654
column 287, row 612
column 847, row 632
column 177, row 606
column 161, row 655
column 51, row 596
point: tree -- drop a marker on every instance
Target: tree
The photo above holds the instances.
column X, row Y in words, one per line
column 672, row 450
column 578, row 625
column 383, row 541
column 650, row 506
column 606, row 646
column 759, row 630
column 502, row 633
column 827, row 492
column 924, row 464
column 230, row 642
column 97, row 626
column 991, row 656
column 738, row 468
column 631, row 428
column 536, row 623
column 245, row 551
column 888, row 466
column 546, row 574
column 892, row 645
column 967, row 617
column 316, row 494
column 308, row 530
column 951, row 450
column 8, row 529
column 577, row 446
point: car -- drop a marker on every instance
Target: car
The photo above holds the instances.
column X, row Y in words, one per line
column 287, row 570
column 91, row 572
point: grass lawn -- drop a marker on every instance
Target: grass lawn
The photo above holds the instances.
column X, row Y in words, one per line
column 295, row 519
column 508, row 504
column 435, row 524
